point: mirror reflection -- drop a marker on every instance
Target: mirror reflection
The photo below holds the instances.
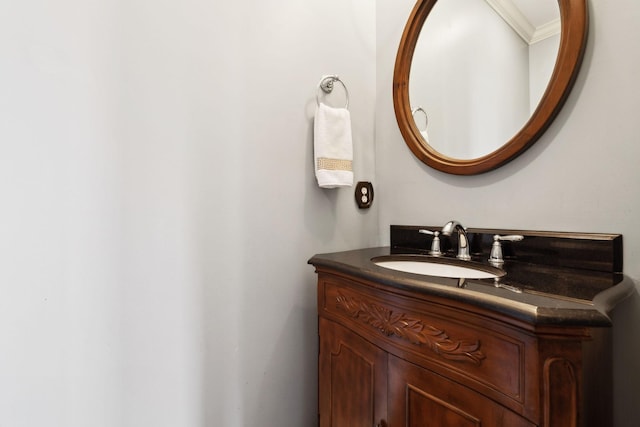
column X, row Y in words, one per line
column 477, row 77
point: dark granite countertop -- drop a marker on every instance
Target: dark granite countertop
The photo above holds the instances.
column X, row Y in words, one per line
column 550, row 294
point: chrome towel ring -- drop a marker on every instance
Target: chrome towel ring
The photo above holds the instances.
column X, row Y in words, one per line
column 426, row 117
column 326, row 84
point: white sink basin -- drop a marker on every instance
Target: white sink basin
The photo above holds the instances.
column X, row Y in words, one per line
column 439, row 267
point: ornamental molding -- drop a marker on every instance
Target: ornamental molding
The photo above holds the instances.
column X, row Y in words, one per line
column 413, row 330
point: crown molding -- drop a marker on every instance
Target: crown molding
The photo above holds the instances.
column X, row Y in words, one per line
column 521, row 25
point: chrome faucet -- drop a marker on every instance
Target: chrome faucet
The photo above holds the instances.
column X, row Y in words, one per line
column 463, row 241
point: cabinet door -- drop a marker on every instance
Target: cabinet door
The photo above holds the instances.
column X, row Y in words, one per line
column 352, row 379
column 421, row 398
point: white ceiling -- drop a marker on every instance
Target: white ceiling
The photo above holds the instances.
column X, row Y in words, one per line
column 538, row 12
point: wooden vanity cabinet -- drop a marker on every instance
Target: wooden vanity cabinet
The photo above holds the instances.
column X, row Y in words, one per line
column 392, row 357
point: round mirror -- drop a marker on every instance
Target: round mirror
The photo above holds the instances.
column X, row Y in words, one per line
column 473, row 90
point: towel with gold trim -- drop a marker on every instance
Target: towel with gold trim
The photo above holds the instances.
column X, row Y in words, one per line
column 333, row 147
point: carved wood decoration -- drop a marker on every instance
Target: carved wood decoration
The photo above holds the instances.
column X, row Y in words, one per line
column 414, row 330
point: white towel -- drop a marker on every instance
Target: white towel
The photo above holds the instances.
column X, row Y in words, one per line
column 333, row 147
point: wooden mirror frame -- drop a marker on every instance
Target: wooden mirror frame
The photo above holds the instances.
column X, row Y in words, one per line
column 573, row 39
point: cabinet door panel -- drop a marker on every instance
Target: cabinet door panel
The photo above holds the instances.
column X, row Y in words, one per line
column 352, row 379
column 421, row 398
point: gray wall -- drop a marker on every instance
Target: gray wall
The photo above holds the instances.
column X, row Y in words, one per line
column 582, row 175
column 159, row 207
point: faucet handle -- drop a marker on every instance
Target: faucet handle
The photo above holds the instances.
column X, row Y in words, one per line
column 495, row 258
column 435, row 243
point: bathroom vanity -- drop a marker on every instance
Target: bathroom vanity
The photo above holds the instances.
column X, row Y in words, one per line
column 529, row 348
